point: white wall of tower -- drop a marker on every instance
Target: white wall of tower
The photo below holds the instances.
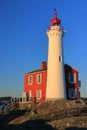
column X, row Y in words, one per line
column 55, row 74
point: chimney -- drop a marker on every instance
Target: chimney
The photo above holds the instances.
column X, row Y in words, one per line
column 43, row 65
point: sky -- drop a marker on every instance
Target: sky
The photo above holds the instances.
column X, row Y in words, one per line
column 24, row 43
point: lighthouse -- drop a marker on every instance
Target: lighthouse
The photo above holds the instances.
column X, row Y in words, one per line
column 56, row 88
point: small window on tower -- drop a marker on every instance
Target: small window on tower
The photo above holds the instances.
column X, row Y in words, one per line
column 60, row 58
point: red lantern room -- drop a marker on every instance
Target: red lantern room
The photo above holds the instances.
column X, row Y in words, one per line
column 55, row 20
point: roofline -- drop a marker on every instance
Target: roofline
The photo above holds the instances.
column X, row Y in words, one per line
column 36, row 71
column 71, row 67
column 42, row 70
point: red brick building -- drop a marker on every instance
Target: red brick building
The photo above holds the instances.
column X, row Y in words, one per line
column 35, row 83
column 72, row 82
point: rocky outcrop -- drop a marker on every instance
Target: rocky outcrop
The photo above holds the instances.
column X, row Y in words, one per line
column 50, row 115
column 62, row 108
column 73, row 123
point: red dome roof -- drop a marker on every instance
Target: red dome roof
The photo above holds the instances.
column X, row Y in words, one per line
column 55, row 19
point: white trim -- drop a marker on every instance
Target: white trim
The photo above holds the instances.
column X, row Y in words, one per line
column 72, row 93
column 39, row 78
column 30, row 93
column 39, row 94
column 36, row 72
column 72, row 77
column 30, row 80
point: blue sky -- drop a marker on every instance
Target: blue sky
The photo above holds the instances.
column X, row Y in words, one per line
column 24, row 44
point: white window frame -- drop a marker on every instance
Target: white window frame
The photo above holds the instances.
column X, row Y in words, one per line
column 72, row 90
column 30, row 80
column 39, row 94
column 39, row 78
column 73, row 77
column 30, row 93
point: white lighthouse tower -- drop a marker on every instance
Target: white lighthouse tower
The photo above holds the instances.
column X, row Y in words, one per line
column 55, row 75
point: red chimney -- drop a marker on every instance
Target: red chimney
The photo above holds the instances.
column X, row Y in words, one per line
column 43, row 65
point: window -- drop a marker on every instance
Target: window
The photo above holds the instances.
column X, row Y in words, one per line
column 39, row 78
column 72, row 93
column 72, row 77
column 39, row 94
column 30, row 93
column 60, row 58
column 30, row 80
